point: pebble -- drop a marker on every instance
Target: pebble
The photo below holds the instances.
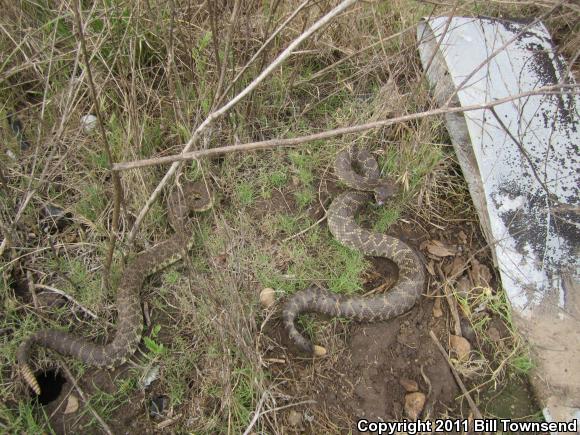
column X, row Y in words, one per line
column 88, row 123
column 414, row 403
column 319, row 350
column 72, row 404
column 437, row 311
column 461, row 346
column 267, row 297
column 294, row 418
column 409, row 385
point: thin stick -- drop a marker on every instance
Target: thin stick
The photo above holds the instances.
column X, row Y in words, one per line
column 31, row 289
column 450, row 300
column 256, row 413
column 73, row 381
column 276, row 143
column 115, row 176
column 261, row 49
column 472, row 404
column 67, row 297
column 319, row 221
column 233, row 21
column 220, row 112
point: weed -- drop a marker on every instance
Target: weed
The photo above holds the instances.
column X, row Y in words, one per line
column 245, row 193
column 156, row 349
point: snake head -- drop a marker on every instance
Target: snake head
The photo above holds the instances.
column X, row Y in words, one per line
column 385, row 191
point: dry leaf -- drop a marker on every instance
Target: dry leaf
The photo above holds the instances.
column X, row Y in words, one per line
column 72, row 404
column 431, row 268
column 454, row 268
column 480, row 274
column 439, row 249
column 463, row 287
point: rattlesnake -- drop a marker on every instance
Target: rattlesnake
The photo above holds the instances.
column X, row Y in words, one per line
column 189, row 197
column 342, row 224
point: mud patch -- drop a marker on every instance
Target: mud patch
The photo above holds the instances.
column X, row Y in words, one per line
column 383, row 354
column 361, row 377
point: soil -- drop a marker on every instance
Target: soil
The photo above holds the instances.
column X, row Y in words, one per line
column 365, row 380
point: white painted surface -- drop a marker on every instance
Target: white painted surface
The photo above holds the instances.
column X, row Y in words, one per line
column 535, row 238
column 524, row 178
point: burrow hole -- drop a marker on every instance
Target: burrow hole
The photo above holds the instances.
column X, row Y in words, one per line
column 51, row 383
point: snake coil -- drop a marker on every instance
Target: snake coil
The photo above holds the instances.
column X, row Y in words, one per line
column 359, row 170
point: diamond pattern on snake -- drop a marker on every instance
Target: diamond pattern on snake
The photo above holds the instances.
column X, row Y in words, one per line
column 185, row 198
column 359, row 170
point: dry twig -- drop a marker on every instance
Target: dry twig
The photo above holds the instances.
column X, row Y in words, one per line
column 220, row 112
column 277, row 143
column 115, row 176
column 73, row 381
column 67, row 297
column 472, row 404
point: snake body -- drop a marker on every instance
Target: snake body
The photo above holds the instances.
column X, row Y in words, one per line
column 192, row 196
column 343, row 226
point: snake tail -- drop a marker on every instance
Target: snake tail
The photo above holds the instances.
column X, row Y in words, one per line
column 129, row 328
column 123, row 345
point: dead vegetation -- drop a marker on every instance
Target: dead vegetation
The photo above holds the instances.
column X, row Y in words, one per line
column 214, row 361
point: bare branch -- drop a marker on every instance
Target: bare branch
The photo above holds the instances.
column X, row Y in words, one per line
column 220, row 112
column 116, row 179
column 277, row 143
column 233, row 21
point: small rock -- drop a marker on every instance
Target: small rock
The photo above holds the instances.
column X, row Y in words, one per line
column 294, row 418
column 267, row 297
column 319, row 350
column 409, row 385
column 414, row 403
column 460, row 345
column 72, row 404
column 88, row 123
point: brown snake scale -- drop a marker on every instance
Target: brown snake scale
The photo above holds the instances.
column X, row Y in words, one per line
column 191, row 196
column 343, row 226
